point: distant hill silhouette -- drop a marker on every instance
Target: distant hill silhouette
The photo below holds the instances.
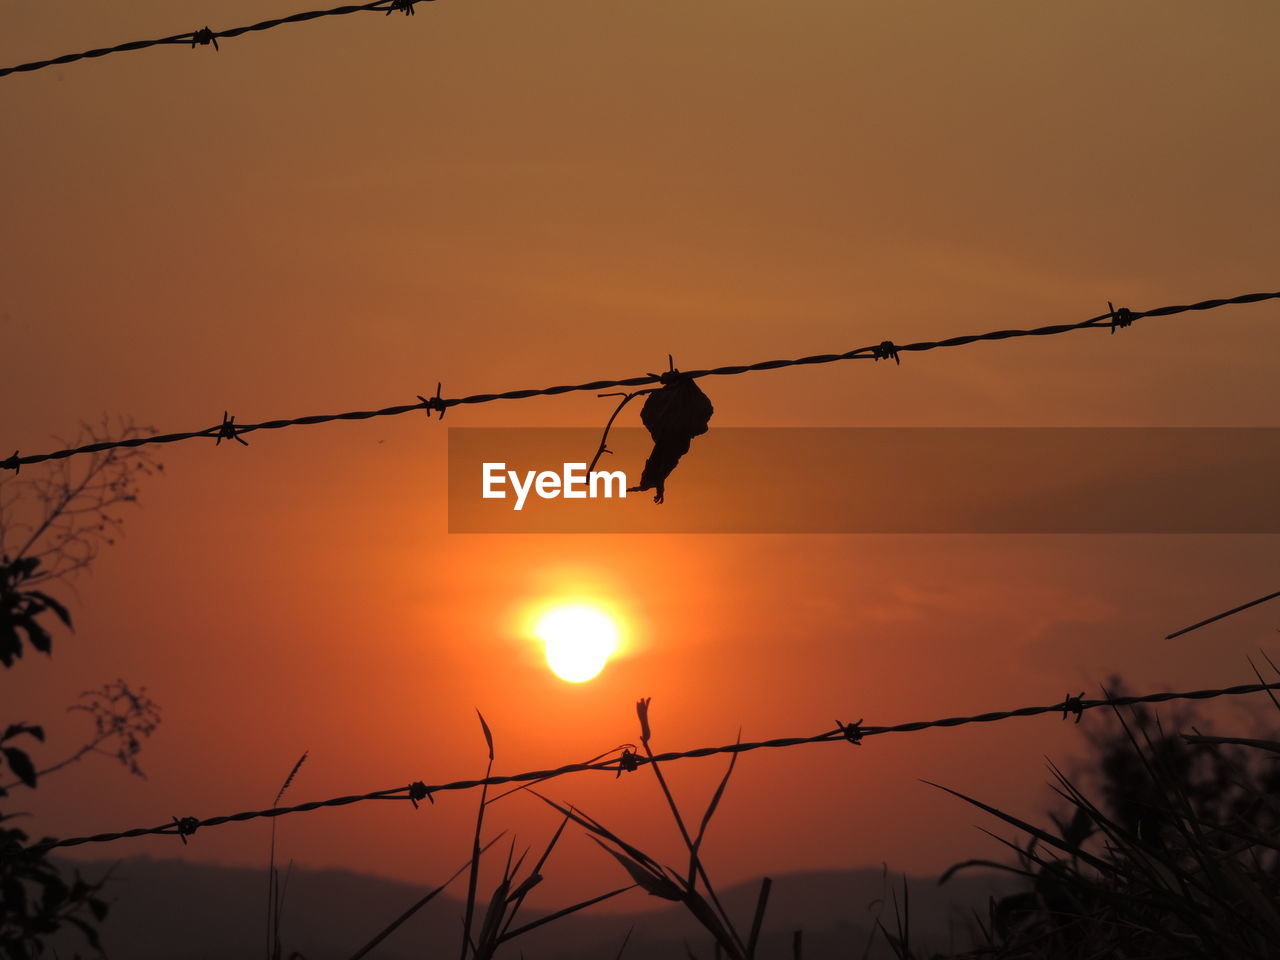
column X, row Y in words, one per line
column 174, row 910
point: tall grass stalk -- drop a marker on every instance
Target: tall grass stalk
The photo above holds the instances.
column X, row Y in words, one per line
column 275, row 891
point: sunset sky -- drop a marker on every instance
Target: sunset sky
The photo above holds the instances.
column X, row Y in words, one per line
column 339, row 214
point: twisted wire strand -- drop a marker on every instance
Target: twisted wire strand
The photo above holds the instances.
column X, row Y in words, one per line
column 1117, row 318
column 206, row 36
column 849, row 733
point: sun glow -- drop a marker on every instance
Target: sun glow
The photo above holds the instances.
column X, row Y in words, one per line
column 579, row 641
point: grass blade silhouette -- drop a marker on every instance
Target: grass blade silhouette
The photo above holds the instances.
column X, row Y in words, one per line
column 274, row 894
column 431, row 895
column 520, row 931
column 474, row 878
column 762, row 902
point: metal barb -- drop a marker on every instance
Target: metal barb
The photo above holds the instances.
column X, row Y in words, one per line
column 627, row 762
column 419, row 791
column 186, row 827
column 434, row 403
column 227, row 431
column 1074, row 705
column 204, row 37
column 1120, row 318
column 672, row 375
column 886, row 351
column 852, row 732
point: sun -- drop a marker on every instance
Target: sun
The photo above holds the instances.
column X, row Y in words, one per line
column 579, row 641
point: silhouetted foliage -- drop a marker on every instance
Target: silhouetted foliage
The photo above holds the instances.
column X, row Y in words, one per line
column 673, row 414
column 34, row 899
column 51, row 528
column 37, row 901
column 62, row 514
column 21, row 608
column 1177, row 857
column 122, row 719
column 16, row 758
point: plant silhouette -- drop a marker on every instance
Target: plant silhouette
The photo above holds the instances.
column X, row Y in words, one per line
column 51, row 528
column 1177, row 856
column 673, row 414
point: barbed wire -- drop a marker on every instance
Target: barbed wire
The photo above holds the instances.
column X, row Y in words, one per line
column 204, row 36
column 629, row 761
column 228, row 429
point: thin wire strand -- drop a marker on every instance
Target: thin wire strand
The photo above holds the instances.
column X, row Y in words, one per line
column 850, row 733
column 205, row 36
column 228, row 429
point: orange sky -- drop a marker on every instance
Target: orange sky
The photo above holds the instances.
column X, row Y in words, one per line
column 336, row 215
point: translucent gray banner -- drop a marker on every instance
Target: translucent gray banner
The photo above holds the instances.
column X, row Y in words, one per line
column 872, row 480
